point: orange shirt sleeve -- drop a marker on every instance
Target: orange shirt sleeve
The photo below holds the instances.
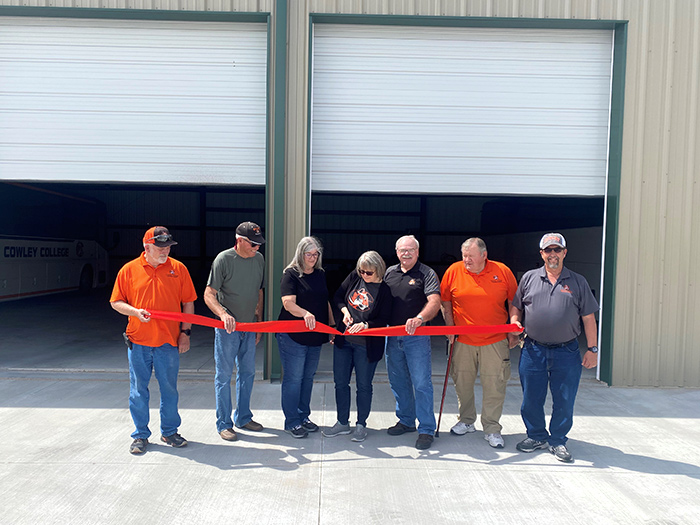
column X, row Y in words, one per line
column 446, row 284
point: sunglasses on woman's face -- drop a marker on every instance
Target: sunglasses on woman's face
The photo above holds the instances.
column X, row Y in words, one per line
column 368, row 273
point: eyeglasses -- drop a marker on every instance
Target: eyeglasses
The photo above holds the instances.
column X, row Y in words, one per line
column 556, row 249
column 368, row 273
column 310, row 255
column 162, row 238
column 249, row 241
column 405, row 250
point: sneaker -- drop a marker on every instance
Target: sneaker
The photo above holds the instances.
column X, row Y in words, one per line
column 297, row 432
column 424, row 441
column 175, row 440
column 462, row 428
column 336, row 430
column 228, row 434
column 561, row 453
column 495, row 440
column 309, row 425
column 530, row 445
column 253, row 426
column 138, row 446
column 360, row 433
column 399, row 428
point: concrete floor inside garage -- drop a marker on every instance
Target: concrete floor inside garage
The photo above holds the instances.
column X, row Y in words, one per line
column 64, row 414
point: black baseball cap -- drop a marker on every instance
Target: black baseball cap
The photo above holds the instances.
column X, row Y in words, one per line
column 158, row 235
column 250, row 231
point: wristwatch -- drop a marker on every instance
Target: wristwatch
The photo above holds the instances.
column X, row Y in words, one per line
column 419, row 316
column 593, row 349
column 186, row 332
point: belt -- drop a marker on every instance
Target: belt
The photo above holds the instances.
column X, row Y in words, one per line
column 551, row 345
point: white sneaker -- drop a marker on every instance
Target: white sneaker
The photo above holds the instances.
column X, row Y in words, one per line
column 462, row 428
column 495, row 440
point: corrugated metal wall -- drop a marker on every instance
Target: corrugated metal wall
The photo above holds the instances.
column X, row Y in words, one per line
column 657, row 324
column 226, row 6
column 657, row 316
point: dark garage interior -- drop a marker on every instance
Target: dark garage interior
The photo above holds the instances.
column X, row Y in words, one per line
column 203, row 220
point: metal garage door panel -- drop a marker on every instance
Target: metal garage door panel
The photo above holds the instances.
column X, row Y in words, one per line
column 132, row 101
column 460, row 110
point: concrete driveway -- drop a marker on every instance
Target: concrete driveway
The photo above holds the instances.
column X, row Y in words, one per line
column 65, row 424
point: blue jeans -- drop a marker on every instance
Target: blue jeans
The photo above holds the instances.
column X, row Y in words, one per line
column 408, row 362
column 299, row 364
column 560, row 368
column 235, row 348
column 344, row 360
column 143, row 360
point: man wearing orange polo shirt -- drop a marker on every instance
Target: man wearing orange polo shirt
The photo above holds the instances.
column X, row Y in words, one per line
column 154, row 281
column 475, row 292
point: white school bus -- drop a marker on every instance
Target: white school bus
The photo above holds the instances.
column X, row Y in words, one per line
column 32, row 266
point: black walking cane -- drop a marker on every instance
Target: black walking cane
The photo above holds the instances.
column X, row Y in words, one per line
column 444, row 386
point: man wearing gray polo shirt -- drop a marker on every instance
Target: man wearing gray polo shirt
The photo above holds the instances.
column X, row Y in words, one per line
column 235, row 293
column 551, row 302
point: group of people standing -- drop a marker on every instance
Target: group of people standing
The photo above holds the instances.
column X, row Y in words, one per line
column 551, row 303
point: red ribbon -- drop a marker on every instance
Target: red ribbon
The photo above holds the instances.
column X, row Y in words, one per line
column 264, row 327
column 444, row 330
column 271, row 327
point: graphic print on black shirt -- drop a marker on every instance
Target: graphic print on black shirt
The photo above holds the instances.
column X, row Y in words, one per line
column 361, row 299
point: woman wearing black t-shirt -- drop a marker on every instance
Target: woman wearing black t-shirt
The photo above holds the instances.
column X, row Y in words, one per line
column 304, row 296
column 365, row 301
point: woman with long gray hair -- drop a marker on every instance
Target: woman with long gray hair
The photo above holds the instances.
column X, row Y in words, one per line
column 304, row 297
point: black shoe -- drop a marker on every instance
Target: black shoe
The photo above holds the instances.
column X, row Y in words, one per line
column 424, row 441
column 175, row 440
column 398, row 429
column 309, row 425
column 561, row 453
column 297, row 432
column 530, row 445
column 138, row 446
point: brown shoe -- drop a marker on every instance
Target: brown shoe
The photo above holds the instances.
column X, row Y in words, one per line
column 252, row 425
column 228, row 434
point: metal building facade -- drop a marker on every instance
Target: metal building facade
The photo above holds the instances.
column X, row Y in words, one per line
column 161, row 101
column 650, row 250
column 656, row 317
column 482, row 110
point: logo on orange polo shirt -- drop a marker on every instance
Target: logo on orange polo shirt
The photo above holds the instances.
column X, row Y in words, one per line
column 495, row 279
column 172, row 273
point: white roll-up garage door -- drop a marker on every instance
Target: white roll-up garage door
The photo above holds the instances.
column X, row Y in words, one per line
column 460, row 110
column 132, row 101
